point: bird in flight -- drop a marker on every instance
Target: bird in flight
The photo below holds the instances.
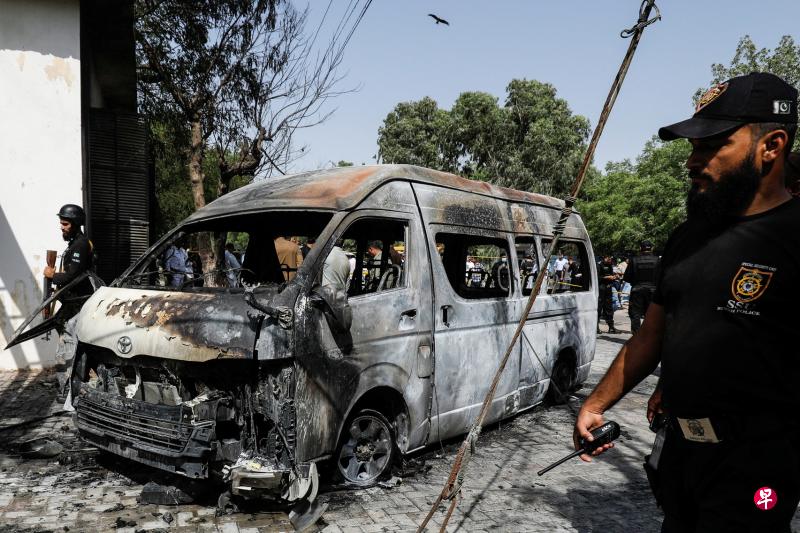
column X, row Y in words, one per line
column 438, row 19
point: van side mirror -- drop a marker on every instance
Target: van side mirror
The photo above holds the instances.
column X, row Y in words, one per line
column 334, row 306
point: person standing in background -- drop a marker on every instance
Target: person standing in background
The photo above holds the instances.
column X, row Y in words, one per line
column 641, row 274
column 289, row 256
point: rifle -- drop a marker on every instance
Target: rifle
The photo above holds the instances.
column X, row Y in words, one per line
column 48, row 285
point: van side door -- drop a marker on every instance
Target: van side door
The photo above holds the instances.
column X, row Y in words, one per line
column 534, row 364
column 389, row 343
column 474, row 322
column 569, row 289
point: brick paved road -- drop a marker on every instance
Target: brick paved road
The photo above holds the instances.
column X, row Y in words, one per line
column 91, row 492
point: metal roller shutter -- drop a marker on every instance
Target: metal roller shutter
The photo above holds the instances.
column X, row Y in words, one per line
column 119, row 190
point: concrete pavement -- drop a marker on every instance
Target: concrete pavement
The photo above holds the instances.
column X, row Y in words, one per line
column 85, row 491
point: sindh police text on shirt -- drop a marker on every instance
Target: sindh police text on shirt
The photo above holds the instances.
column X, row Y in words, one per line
column 731, row 297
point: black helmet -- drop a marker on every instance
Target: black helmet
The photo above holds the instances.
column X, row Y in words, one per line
column 646, row 246
column 73, row 213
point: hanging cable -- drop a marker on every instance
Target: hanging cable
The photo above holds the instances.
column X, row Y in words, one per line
column 452, row 487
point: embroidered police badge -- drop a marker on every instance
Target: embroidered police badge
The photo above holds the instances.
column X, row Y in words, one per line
column 750, row 283
column 710, row 95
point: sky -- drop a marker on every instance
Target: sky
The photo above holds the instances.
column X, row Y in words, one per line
column 399, row 54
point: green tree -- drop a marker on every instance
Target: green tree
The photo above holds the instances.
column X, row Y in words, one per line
column 646, row 200
column 533, row 142
column 477, row 136
column 413, row 133
column 550, row 141
column 632, row 202
column 783, row 61
column 230, row 81
column 173, row 193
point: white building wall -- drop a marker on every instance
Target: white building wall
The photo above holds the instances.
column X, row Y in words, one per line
column 40, row 155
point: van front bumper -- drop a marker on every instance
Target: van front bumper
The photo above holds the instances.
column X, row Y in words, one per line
column 160, row 436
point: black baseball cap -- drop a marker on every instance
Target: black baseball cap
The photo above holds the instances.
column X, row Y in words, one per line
column 756, row 97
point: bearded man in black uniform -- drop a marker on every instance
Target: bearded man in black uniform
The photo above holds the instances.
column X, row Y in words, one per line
column 722, row 324
column 641, row 274
column 76, row 260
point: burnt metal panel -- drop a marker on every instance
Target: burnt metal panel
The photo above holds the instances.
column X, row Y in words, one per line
column 460, row 208
column 393, row 196
column 381, row 349
column 534, row 219
column 470, row 337
column 173, row 325
column 345, row 188
column 119, row 190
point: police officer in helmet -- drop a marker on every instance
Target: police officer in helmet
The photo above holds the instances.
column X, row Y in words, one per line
column 77, row 258
column 641, row 274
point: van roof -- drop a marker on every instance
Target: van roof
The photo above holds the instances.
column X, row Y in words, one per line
column 344, row 188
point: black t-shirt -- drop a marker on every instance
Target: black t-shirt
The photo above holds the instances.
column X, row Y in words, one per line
column 730, row 296
column 76, row 260
column 604, row 270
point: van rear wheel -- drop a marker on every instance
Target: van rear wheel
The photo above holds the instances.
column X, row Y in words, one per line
column 367, row 450
column 563, row 380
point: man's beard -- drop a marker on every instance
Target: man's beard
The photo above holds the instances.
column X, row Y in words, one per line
column 724, row 199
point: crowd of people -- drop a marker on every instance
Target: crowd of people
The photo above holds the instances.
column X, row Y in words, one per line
column 626, row 279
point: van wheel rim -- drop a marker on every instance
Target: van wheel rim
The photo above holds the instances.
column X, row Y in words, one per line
column 366, row 454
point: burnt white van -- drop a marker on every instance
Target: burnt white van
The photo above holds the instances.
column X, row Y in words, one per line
column 254, row 374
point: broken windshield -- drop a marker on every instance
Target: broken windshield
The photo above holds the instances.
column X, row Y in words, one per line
column 229, row 252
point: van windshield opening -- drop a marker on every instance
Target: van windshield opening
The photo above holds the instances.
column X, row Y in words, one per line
column 230, row 252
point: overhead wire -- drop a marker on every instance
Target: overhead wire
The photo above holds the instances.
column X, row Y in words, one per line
column 321, row 22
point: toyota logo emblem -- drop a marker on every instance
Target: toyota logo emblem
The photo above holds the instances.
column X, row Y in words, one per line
column 124, row 345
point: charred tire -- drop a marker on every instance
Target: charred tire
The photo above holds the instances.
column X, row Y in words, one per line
column 563, row 380
column 368, row 448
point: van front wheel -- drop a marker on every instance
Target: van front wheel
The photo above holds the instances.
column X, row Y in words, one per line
column 368, row 448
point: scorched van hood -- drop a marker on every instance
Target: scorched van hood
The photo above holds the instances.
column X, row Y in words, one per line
column 186, row 326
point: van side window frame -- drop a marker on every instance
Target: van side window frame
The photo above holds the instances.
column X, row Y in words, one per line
column 361, row 249
column 549, row 288
column 435, row 230
column 535, row 241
